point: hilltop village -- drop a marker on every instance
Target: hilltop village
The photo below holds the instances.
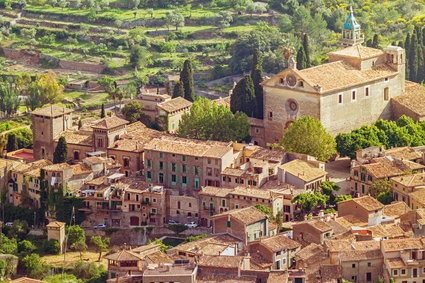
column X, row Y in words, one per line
column 174, row 200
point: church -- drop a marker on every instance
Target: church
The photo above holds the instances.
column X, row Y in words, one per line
column 357, row 87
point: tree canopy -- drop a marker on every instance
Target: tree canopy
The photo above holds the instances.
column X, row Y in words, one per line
column 308, row 136
column 309, row 201
column 243, row 97
column 61, row 151
column 133, row 111
column 209, row 121
column 186, row 78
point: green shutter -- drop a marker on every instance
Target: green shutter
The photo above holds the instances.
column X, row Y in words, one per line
column 193, row 170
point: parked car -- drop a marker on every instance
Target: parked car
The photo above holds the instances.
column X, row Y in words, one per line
column 191, row 224
column 100, row 226
column 172, row 222
column 9, row 224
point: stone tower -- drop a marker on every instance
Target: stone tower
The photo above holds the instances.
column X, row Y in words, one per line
column 351, row 35
column 47, row 125
column 56, row 231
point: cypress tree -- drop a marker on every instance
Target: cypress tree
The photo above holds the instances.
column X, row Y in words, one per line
column 369, row 43
column 169, row 88
column 186, row 77
column 178, row 90
column 12, row 143
column 80, row 124
column 406, row 48
column 102, row 111
column 375, row 42
column 61, row 151
column 301, row 59
column 257, row 79
column 413, row 58
column 306, row 50
column 423, row 36
column 421, row 64
column 243, row 97
column 401, row 44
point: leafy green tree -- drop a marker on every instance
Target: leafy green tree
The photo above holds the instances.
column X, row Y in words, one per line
column 9, row 97
column 2, row 269
column 90, row 271
column 150, row 12
column 375, row 41
column 46, row 89
column 186, row 77
column 51, row 246
column 178, row 90
column 243, row 97
column 328, row 188
column 224, row 19
column 102, row 112
column 61, row 151
column 34, row 267
column 79, row 246
column 139, row 56
column 308, row 136
column 101, row 245
column 308, row 201
column 75, row 234
column 62, row 278
column 264, row 209
column 12, row 143
column 174, row 18
column 19, row 229
column 342, row 198
column 210, row 121
column 8, row 246
column 385, row 197
column 25, row 248
column 380, row 186
column 133, row 111
column 257, row 79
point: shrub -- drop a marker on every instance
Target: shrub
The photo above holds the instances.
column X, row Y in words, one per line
column 51, row 247
column 177, row 228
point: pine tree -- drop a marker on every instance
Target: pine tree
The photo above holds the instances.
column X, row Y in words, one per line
column 301, row 59
column 186, row 77
column 243, row 97
column 178, row 90
column 257, row 79
column 61, row 152
column 102, row 111
column 375, row 42
column 306, row 50
column 12, row 143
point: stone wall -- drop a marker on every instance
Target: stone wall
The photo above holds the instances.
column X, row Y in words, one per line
column 84, row 67
column 31, row 57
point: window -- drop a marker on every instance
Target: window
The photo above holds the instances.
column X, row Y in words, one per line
column 149, row 175
column 126, row 161
column 223, row 202
column 353, row 95
column 149, row 163
column 270, row 115
column 353, row 265
column 340, row 98
column 184, row 180
column 161, row 165
column 366, row 91
column 184, row 158
column 173, row 167
column 403, row 271
column 76, row 155
column 369, row 264
column 368, row 276
column 173, row 179
column 395, row 272
column 386, row 94
column 229, row 224
column 386, row 79
column 354, row 278
column 161, row 178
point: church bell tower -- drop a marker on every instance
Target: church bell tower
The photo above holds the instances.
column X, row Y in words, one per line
column 351, row 35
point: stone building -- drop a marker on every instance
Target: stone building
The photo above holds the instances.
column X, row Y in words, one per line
column 47, row 125
column 302, row 175
column 355, row 88
column 56, row 231
column 366, row 208
column 409, row 189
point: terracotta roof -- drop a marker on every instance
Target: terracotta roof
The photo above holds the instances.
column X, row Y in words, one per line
column 309, row 251
column 337, row 245
column 27, row 280
column 175, row 104
column 387, row 231
column 393, row 245
column 252, row 192
column 124, row 255
column 279, row 243
column 418, row 196
column 128, row 144
column 233, row 172
column 405, row 152
column 339, row 75
column 356, row 255
column 140, row 132
column 220, row 261
column 412, row 180
column 278, row 277
column 367, row 202
column 212, row 245
column 33, row 168
column 189, row 147
column 51, row 111
column 97, row 181
column 358, row 51
column 350, row 220
column 211, row 278
column 158, row 258
column 56, row 224
column 79, row 169
column 109, row 123
column 175, row 270
column 247, row 215
column 413, row 98
column 319, row 225
column 268, row 155
column 215, row 191
column 57, row 167
column 78, row 137
column 303, row 170
column 396, row 209
column 395, row 263
column 223, row 101
column 366, row 245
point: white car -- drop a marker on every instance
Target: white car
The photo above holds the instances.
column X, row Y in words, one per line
column 99, row 226
column 191, row 224
column 9, row 224
column 172, row 222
